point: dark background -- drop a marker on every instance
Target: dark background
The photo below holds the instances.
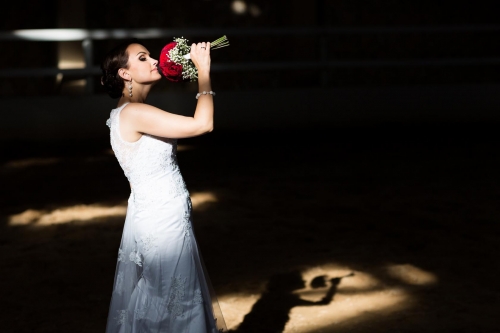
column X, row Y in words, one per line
column 320, row 13
column 362, row 189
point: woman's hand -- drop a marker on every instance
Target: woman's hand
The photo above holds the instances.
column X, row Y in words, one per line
column 200, row 56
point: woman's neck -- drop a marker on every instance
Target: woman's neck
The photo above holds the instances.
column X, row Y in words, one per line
column 138, row 95
column 127, row 99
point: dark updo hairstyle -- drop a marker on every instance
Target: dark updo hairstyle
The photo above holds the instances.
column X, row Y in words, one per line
column 115, row 59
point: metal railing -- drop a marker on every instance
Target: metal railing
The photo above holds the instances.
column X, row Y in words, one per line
column 87, row 37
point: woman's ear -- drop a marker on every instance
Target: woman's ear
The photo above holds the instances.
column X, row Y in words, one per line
column 123, row 74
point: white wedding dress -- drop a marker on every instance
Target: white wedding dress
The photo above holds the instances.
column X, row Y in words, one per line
column 161, row 284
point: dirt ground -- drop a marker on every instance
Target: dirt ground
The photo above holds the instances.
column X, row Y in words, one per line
column 384, row 229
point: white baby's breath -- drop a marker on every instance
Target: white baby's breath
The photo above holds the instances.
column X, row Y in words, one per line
column 176, row 55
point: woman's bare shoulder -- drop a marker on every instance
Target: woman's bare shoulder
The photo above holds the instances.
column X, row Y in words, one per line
column 139, row 109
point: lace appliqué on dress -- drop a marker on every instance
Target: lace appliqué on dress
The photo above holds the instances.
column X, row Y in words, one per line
column 174, row 305
column 119, row 283
column 186, row 226
column 177, row 185
column 121, row 318
column 197, row 299
column 140, row 313
column 121, row 256
column 135, row 256
column 148, row 242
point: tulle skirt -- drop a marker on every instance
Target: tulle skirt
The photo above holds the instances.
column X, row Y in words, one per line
column 161, row 284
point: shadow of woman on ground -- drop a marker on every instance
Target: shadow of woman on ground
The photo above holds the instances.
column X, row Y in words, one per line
column 271, row 312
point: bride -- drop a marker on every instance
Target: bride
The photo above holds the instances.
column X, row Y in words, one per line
column 160, row 283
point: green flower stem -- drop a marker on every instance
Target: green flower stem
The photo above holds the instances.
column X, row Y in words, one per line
column 221, row 40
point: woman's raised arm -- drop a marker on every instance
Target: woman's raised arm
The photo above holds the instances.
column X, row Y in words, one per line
column 144, row 118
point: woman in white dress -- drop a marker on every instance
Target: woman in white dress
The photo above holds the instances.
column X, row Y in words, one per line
column 160, row 282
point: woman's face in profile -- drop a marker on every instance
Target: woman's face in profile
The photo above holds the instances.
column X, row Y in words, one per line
column 141, row 66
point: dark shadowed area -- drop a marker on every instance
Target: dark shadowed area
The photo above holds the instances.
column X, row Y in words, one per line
column 282, row 219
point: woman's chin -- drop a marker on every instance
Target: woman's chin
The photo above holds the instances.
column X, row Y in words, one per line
column 156, row 78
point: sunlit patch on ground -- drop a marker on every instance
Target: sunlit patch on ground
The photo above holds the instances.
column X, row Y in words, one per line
column 358, row 297
column 410, row 274
column 29, row 162
column 200, row 200
column 184, row 147
column 66, row 214
column 89, row 213
column 235, row 306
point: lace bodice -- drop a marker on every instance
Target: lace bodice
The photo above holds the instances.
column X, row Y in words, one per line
column 150, row 163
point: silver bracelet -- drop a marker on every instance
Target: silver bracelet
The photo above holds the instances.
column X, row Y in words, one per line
column 205, row 93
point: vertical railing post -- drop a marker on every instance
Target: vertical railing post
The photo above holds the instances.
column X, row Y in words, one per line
column 87, row 45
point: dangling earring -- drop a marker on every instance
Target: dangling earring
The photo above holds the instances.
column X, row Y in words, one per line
column 130, row 88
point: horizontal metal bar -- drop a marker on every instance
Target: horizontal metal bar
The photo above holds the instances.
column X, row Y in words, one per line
column 61, row 35
column 48, row 71
column 354, row 64
column 250, row 66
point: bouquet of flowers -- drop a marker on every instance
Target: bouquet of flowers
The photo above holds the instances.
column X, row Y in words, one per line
column 175, row 62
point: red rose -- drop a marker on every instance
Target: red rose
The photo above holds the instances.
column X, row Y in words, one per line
column 168, row 68
column 172, row 71
column 164, row 52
